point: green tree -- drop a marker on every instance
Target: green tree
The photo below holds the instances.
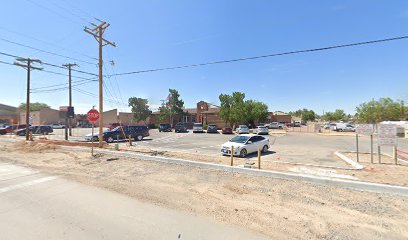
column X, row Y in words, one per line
column 255, row 111
column 384, row 109
column 238, row 110
column 305, row 114
column 37, row 106
column 334, row 116
column 225, row 108
column 140, row 108
column 173, row 107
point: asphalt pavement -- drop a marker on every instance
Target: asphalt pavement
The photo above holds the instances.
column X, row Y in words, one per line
column 34, row 205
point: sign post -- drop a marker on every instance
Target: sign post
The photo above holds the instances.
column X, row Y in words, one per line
column 368, row 130
column 93, row 116
column 387, row 136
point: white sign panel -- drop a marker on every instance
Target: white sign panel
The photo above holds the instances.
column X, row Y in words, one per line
column 387, row 135
column 365, row 129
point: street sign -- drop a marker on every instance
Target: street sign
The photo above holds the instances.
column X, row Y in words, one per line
column 387, row 135
column 365, row 129
column 70, row 113
column 93, row 115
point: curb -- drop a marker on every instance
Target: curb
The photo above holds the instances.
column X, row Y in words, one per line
column 349, row 161
column 349, row 184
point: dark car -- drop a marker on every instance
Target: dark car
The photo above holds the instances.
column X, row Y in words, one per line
column 180, row 127
column 226, row 130
column 124, row 132
column 212, row 128
column 3, row 131
column 114, row 125
column 164, row 127
column 43, row 129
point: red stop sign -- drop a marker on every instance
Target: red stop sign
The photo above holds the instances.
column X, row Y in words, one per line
column 93, row 115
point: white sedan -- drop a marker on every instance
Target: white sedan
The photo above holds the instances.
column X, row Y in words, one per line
column 242, row 129
column 245, row 144
column 261, row 130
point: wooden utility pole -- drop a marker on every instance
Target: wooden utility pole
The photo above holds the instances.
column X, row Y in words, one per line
column 27, row 66
column 69, row 66
column 97, row 32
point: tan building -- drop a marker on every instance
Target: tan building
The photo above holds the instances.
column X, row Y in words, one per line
column 279, row 116
column 8, row 114
column 45, row 116
column 127, row 119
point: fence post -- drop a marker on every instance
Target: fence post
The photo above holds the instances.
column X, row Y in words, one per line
column 130, row 140
column 232, row 155
column 259, row 158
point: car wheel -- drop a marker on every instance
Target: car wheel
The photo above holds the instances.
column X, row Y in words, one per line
column 109, row 140
column 340, row 130
column 265, row 149
column 243, row 153
column 95, row 139
column 139, row 138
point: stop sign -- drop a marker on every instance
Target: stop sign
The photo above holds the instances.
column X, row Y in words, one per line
column 93, row 115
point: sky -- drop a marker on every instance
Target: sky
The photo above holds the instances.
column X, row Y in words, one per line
column 156, row 34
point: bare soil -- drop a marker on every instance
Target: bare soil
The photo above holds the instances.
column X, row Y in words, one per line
column 278, row 208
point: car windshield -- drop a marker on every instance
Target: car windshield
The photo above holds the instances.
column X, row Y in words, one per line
column 239, row 139
column 242, row 126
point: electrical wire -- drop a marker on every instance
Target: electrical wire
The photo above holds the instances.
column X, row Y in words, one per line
column 264, row 56
column 47, row 52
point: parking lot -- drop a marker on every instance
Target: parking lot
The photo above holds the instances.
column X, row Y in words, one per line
column 292, row 147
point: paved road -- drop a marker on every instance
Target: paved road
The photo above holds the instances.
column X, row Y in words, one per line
column 34, row 206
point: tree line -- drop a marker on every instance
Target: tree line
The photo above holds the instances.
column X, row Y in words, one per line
column 234, row 108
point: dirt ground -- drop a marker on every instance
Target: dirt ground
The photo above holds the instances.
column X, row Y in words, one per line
column 278, row 208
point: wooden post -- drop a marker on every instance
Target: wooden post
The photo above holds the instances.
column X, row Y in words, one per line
column 358, row 158
column 372, row 149
column 379, row 154
column 259, row 158
column 395, row 155
column 232, row 155
column 130, row 140
column 92, row 138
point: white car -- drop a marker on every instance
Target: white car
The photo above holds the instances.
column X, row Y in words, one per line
column 245, row 144
column 242, row 129
column 198, row 127
column 58, row 126
column 261, row 130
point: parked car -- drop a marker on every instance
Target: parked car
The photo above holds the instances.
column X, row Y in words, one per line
column 164, row 127
column 342, row 127
column 276, row 125
column 198, row 127
column 245, row 144
column 212, row 128
column 114, row 125
column 242, row 129
column 43, row 129
column 6, row 129
column 180, row 127
column 57, row 126
column 3, row 131
column 261, row 130
column 227, row 130
column 122, row 132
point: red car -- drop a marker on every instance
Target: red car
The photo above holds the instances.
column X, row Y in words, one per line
column 226, row 130
column 5, row 130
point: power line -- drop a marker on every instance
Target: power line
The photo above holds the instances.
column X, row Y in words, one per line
column 263, row 56
column 63, row 84
column 34, row 90
column 49, row 43
column 47, row 52
column 56, row 73
column 49, row 64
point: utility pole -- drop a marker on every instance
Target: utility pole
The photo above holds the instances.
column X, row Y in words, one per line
column 27, row 66
column 69, row 66
column 97, row 32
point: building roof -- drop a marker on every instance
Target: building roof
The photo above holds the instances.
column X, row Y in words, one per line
column 190, row 110
column 212, row 110
column 279, row 113
column 6, row 110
